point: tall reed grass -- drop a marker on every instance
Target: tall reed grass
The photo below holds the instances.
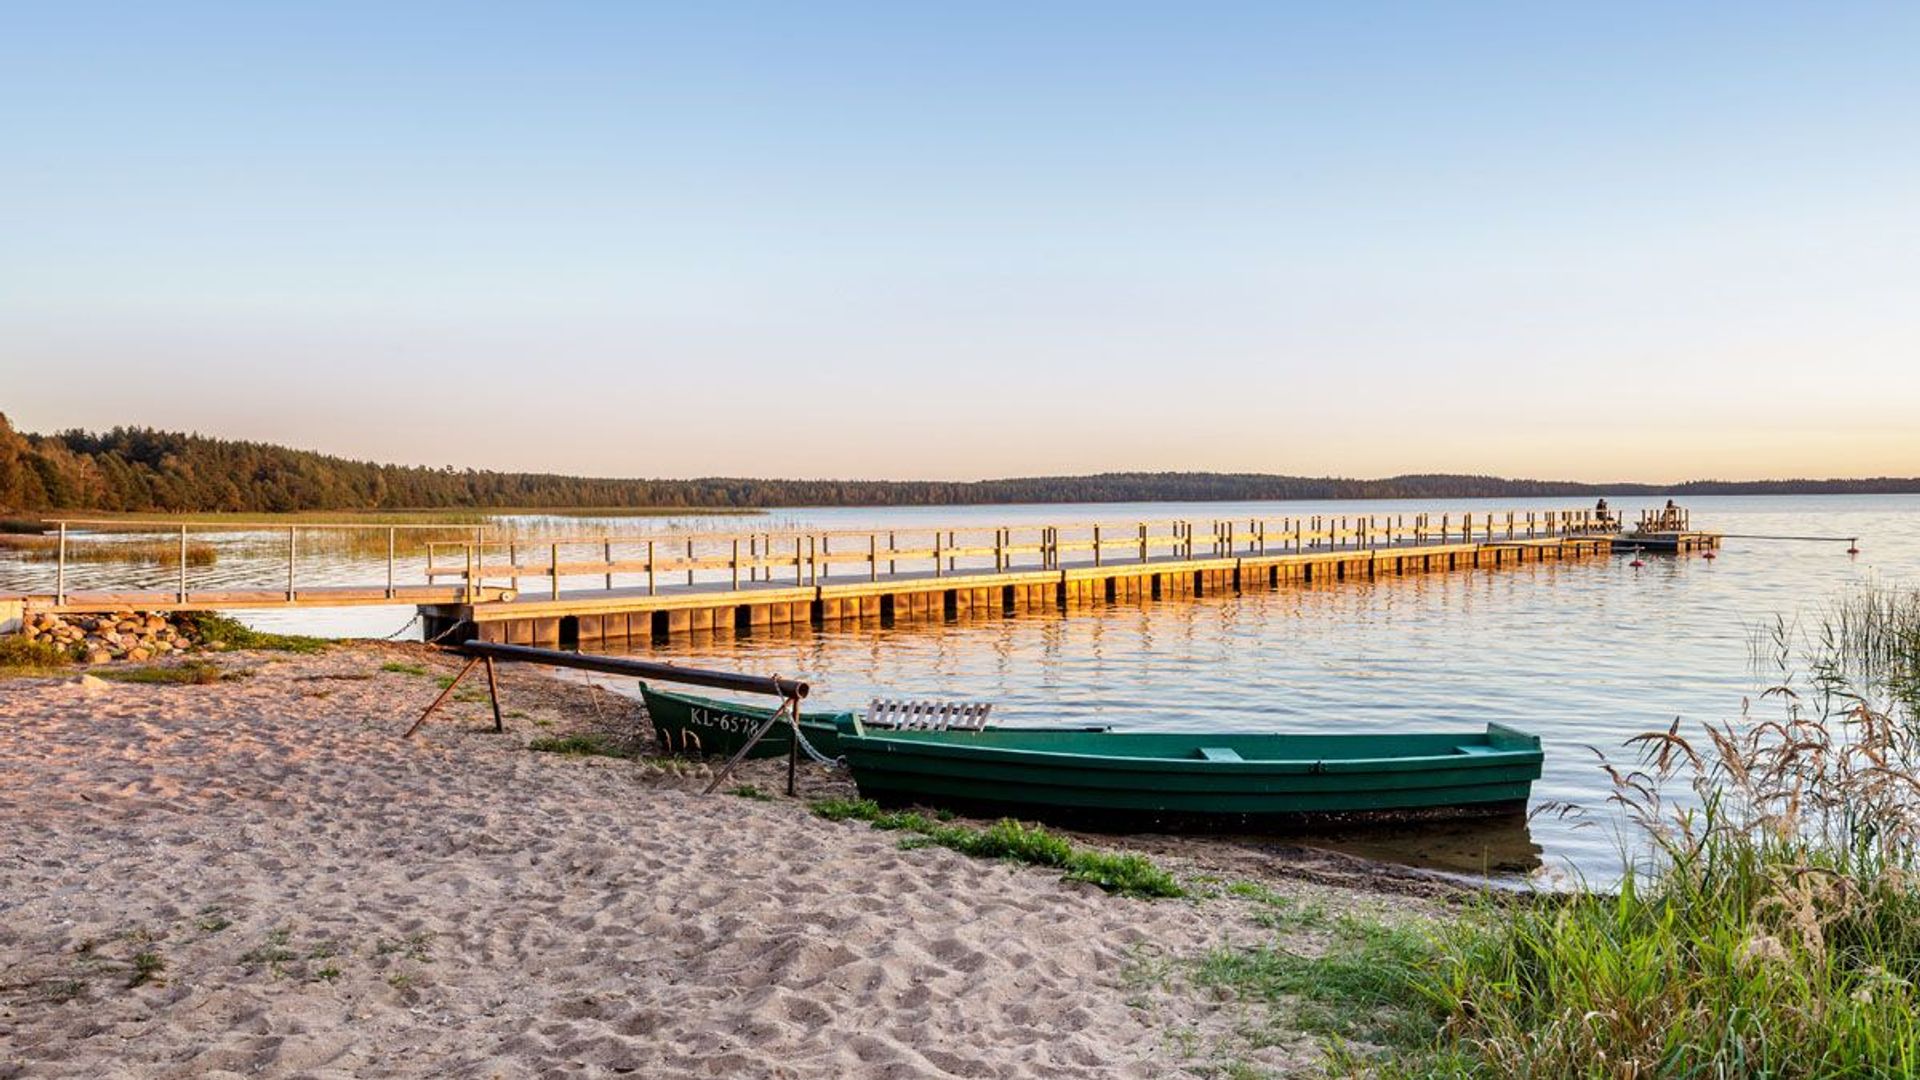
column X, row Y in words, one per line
column 1770, row 926
column 142, row 551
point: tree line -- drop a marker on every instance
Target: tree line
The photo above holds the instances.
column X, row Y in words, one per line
column 138, row 470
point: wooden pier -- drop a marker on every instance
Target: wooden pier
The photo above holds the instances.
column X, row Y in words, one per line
column 628, row 591
column 742, row 582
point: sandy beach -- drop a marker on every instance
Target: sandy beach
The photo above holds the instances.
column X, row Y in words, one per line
column 260, row 878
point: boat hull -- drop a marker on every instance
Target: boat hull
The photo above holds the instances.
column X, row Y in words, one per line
column 1245, row 783
column 686, row 724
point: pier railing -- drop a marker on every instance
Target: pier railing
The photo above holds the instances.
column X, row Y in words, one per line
column 173, row 540
column 805, row 558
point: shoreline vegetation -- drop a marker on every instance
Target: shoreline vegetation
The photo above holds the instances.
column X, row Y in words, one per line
column 143, row 471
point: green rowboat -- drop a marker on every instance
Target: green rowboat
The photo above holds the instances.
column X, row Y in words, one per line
column 1151, row 780
column 686, row 724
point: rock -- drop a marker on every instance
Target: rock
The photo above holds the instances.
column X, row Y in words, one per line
column 92, row 684
column 138, row 654
column 99, row 656
column 162, row 646
column 155, row 622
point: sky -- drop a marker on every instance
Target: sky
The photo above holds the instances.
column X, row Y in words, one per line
column 1603, row 241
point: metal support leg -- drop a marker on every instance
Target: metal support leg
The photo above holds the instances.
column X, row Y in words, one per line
column 444, row 694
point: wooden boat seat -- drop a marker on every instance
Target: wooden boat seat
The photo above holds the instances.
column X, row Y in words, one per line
column 928, row 715
column 1220, row 753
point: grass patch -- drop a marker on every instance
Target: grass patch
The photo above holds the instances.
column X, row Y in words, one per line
column 395, row 667
column 1127, row 875
column 147, row 967
column 582, row 745
column 222, row 632
column 1365, row 985
column 748, row 791
column 1277, row 912
column 1769, row 926
column 19, row 656
column 191, row 673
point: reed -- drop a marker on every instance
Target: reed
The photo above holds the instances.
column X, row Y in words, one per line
column 1768, row 926
column 142, row 551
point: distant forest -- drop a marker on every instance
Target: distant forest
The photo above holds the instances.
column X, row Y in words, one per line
column 142, row 470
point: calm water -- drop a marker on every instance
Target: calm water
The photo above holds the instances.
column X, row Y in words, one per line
column 1583, row 653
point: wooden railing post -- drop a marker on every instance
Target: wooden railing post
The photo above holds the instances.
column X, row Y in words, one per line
column 183, row 564
column 736, row 563
column 1096, row 545
column 873, row 557
column 607, row 553
column 293, row 546
column 553, row 569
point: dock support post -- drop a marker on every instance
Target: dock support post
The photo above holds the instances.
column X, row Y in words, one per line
column 390, row 544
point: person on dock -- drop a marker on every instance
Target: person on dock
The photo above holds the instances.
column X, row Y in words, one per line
column 1601, row 514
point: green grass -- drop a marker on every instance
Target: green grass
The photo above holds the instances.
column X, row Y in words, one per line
column 748, row 791
column 191, row 673
column 1769, row 926
column 19, row 656
column 1127, row 875
column 1365, row 984
column 147, row 967
column 581, row 745
column 1277, row 912
column 223, row 632
column 397, row 668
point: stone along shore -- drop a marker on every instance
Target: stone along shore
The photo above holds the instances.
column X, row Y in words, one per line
column 123, row 635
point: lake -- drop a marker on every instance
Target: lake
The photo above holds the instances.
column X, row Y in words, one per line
column 1585, row 653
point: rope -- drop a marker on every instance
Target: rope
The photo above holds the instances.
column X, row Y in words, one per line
column 818, row 757
column 794, row 723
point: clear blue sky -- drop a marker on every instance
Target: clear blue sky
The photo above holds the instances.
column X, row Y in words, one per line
column 1606, row 241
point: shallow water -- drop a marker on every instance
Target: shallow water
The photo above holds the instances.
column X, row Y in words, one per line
column 1585, row 653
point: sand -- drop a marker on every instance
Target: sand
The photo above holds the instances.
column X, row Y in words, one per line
column 260, row 878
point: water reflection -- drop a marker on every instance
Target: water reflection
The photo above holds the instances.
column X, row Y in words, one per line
column 1585, row 654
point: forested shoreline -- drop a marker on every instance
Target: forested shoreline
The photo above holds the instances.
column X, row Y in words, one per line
column 139, row 470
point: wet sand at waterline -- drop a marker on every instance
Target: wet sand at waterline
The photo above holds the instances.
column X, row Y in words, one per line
column 259, row 877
